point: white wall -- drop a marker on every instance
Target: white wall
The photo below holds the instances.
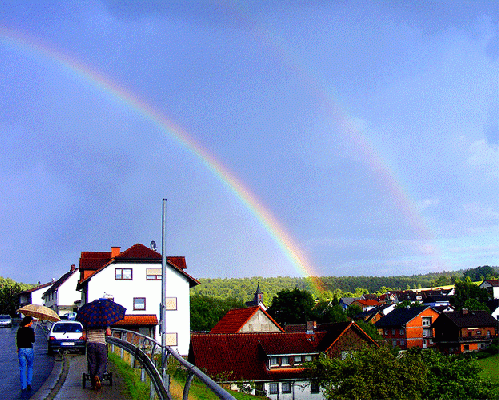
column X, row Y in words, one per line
column 67, row 294
column 123, row 291
column 300, row 390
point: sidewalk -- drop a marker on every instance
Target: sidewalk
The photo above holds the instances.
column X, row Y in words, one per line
column 65, row 382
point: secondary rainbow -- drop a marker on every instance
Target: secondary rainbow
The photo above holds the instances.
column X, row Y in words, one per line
column 283, row 239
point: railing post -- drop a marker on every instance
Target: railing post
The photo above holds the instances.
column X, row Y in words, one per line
column 187, row 386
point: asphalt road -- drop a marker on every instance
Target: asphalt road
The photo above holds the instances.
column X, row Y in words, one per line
column 10, row 385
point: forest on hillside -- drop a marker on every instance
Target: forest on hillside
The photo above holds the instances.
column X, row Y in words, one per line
column 243, row 289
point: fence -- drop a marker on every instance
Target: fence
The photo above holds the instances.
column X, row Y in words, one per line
column 148, row 353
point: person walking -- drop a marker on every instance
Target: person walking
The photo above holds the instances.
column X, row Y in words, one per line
column 96, row 354
column 25, row 338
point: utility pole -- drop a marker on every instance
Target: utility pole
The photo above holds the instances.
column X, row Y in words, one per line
column 163, row 297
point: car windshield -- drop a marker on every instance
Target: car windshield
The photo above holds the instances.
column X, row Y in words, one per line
column 67, row 328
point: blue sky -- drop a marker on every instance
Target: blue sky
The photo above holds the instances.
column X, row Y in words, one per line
column 367, row 129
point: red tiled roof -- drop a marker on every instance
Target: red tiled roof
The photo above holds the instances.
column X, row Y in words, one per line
column 234, row 320
column 243, row 355
column 138, row 320
column 92, row 263
column 369, row 302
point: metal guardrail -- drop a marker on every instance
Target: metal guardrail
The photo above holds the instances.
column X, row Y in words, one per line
column 148, row 353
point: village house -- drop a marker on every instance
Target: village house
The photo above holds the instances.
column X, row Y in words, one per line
column 408, row 327
column 271, row 364
column 62, row 296
column 492, row 287
column 464, row 331
column 366, row 304
column 252, row 319
column 33, row 295
column 132, row 278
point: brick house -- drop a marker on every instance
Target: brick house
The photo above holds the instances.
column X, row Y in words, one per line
column 273, row 361
column 408, row 327
column 464, row 331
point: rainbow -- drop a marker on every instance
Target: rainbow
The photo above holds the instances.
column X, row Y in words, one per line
column 283, row 239
column 351, row 133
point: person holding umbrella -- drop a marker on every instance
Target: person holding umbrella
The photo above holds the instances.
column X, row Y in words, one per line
column 24, row 339
column 96, row 354
column 96, row 317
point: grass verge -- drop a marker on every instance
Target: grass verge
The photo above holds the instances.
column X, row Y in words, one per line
column 490, row 367
column 137, row 390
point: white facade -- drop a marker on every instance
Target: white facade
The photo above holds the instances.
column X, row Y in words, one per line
column 493, row 289
column 128, row 284
column 285, row 390
column 62, row 299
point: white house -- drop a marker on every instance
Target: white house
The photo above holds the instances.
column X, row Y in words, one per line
column 62, row 295
column 492, row 287
column 33, row 295
column 132, row 278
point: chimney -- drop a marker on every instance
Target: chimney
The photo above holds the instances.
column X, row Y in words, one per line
column 115, row 251
column 311, row 326
column 73, row 267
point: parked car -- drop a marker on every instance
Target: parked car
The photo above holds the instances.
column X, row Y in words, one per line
column 5, row 321
column 70, row 316
column 66, row 336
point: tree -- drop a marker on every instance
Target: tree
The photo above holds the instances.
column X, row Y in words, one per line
column 369, row 374
column 466, row 290
column 376, row 373
column 9, row 295
column 328, row 312
column 292, row 307
column 481, row 273
column 207, row 311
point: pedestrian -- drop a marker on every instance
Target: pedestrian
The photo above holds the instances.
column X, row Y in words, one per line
column 96, row 354
column 25, row 338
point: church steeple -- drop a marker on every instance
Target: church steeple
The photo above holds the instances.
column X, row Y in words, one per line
column 257, row 299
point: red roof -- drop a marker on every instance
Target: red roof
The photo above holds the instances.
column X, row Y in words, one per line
column 38, row 287
column 234, row 320
column 368, row 302
column 138, row 320
column 244, row 355
column 94, row 262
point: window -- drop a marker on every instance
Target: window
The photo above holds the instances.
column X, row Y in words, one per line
column 401, row 331
column 386, row 332
column 274, row 388
column 284, row 360
column 426, row 321
column 478, row 333
column 139, row 303
column 153, row 274
column 286, row 387
column 314, row 387
column 427, row 332
column 123, row 274
column 308, row 358
column 393, row 332
column 274, row 361
column 298, row 360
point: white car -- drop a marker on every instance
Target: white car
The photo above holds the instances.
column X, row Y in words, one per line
column 5, row 321
column 66, row 335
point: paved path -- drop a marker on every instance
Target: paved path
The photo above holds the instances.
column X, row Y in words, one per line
column 66, row 382
column 9, row 378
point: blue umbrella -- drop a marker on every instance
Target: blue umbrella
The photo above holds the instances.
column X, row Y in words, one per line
column 100, row 313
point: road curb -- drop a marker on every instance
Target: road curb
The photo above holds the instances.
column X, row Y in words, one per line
column 54, row 382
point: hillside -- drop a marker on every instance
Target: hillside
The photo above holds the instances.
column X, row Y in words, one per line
column 244, row 288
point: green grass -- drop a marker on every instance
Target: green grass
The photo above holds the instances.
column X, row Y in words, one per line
column 490, row 367
column 137, row 390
